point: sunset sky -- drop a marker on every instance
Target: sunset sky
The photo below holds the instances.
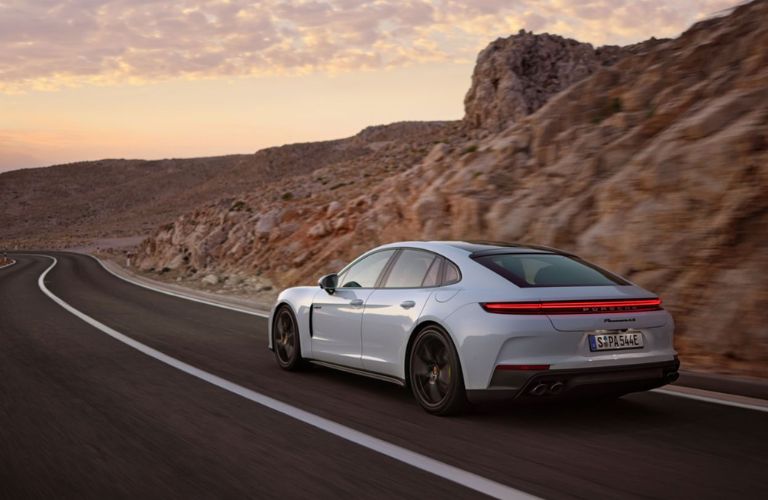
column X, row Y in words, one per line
column 90, row 79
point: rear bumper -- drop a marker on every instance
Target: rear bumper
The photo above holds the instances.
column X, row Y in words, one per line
column 578, row 382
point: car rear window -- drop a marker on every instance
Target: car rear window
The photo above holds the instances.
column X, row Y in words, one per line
column 547, row 270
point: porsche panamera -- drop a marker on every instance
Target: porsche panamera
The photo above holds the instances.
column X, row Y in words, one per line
column 463, row 321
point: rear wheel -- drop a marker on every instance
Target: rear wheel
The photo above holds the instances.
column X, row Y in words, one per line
column 285, row 339
column 435, row 373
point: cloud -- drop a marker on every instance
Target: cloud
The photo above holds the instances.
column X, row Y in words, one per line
column 46, row 44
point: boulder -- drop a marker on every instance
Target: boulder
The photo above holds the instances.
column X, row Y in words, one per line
column 210, row 279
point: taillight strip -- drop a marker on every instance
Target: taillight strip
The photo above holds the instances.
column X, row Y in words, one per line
column 574, row 307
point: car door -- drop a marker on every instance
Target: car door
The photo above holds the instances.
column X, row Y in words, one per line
column 392, row 310
column 337, row 318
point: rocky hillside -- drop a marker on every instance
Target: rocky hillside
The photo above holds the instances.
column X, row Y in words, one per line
column 515, row 76
column 68, row 205
column 653, row 164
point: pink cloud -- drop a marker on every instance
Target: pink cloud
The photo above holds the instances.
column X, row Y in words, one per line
column 70, row 42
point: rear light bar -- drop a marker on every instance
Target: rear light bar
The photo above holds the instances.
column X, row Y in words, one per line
column 573, row 307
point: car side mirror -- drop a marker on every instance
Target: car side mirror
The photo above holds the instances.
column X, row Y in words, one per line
column 329, row 283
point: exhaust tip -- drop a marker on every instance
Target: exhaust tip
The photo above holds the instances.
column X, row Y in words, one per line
column 672, row 376
column 556, row 388
column 539, row 390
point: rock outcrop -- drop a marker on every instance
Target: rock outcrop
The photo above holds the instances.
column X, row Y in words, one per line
column 515, row 76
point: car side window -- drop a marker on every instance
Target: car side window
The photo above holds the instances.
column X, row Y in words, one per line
column 365, row 273
column 410, row 269
column 452, row 274
column 433, row 275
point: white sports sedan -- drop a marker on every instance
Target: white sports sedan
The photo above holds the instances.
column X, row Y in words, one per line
column 459, row 321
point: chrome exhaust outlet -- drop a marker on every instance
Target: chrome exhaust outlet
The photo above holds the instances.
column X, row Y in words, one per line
column 539, row 390
column 556, row 388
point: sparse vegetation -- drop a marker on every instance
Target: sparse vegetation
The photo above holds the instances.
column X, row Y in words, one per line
column 238, row 206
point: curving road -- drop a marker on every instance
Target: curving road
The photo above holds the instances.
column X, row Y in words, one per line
column 83, row 415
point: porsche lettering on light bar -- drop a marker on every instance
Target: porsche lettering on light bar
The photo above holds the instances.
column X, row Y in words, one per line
column 573, row 307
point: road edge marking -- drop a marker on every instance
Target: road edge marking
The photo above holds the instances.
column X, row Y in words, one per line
column 709, row 399
column 422, row 462
column 12, row 262
column 179, row 295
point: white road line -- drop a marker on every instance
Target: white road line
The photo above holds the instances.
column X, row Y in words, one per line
column 417, row 460
column 179, row 294
column 12, row 262
column 708, row 399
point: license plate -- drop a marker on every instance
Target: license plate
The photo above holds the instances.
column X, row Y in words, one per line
column 615, row 341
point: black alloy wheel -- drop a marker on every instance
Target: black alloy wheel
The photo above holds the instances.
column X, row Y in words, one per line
column 285, row 339
column 435, row 373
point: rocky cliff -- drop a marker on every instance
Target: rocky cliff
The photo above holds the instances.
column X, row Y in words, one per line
column 515, row 76
column 654, row 165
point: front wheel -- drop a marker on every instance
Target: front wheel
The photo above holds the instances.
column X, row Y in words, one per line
column 435, row 373
column 285, row 339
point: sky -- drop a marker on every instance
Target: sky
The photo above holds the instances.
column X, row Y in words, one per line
column 92, row 79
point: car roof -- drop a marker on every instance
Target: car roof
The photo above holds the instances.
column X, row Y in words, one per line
column 477, row 248
column 492, row 247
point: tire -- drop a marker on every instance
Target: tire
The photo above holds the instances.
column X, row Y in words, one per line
column 434, row 373
column 285, row 340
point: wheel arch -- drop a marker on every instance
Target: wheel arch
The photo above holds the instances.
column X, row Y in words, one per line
column 414, row 333
column 299, row 300
column 271, row 320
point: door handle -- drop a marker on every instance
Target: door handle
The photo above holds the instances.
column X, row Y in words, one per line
column 356, row 302
column 407, row 304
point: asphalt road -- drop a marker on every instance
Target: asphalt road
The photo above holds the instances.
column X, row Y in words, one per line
column 85, row 416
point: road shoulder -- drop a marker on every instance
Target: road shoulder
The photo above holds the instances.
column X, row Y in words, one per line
column 185, row 292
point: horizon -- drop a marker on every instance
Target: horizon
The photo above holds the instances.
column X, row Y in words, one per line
column 121, row 79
